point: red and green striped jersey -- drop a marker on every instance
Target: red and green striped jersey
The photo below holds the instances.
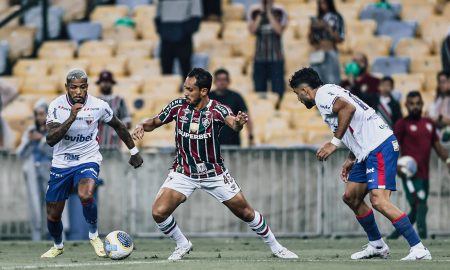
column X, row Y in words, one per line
column 197, row 137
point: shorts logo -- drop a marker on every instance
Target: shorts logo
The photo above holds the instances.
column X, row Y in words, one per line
column 371, row 170
column 396, row 146
column 89, row 169
column 371, row 181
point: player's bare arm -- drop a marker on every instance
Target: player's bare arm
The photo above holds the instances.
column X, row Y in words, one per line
column 237, row 122
column 347, row 167
column 442, row 153
column 122, row 131
column 345, row 112
column 56, row 131
column 148, row 125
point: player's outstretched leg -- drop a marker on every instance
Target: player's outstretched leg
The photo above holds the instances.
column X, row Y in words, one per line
column 166, row 202
column 55, row 228
column 354, row 198
column 240, row 207
column 86, row 188
column 381, row 202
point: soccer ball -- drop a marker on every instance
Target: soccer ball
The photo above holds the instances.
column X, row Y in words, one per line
column 118, row 245
column 408, row 166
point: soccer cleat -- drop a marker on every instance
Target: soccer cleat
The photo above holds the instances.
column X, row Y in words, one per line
column 371, row 252
column 179, row 252
column 285, row 253
column 53, row 252
column 98, row 246
column 418, row 254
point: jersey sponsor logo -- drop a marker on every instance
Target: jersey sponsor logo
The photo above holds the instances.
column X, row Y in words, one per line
column 194, row 136
column 184, row 119
column 383, row 126
column 91, row 109
column 63, row 108
column 71, row 157
column 325, row 107
column 371, row 170
column 79, row 138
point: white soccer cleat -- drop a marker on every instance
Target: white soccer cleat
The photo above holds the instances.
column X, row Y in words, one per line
column 285, row 253
column 179, row 252
column 371, row 252
column 418, row 254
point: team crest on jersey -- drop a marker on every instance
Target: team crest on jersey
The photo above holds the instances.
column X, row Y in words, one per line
column 89, row 120
column 187, row 111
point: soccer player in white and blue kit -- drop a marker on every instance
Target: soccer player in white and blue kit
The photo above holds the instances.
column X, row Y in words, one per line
column 371, row 164
column 72, row 124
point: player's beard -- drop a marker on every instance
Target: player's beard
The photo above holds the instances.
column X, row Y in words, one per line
column 308, row 103
column 415, row 114
column 78, row 100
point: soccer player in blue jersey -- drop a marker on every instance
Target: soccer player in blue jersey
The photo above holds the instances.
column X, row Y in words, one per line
column 371, row 164
column 72, row 124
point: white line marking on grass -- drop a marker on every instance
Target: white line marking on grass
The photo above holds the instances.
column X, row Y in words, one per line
column 274, row 260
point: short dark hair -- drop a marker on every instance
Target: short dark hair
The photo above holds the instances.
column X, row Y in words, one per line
column 221, row 71
column 413, row 94
column 204, row 78
column 305, row 75
column 388, row 79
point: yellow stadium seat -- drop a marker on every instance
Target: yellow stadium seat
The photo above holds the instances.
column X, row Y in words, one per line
column 434, row 29
column 41, row 85
column 446, row 11
column 372, row 46
column 429, row 66
column 115, row 65
column 409, row 82
column 96, row 49
column 31, row 67
column 234, row 12
column 210, row 27
column 300, row 11
column 60, row 67
column 145, row 11
column 57, row 50
column 119, row 33
column 360, row 27
column 124, row 86
column 419, row 13
column 20, row 40
column 73, row 9
column 138, row 104
column 165, row 85
column 18, row 114
column 242, row 84
column 133, row 49
column 8, row 10
column 236, row 30
column 106, row 15
column 412, row 47
column 15, row 82
column 145, row 28
column 159, row 138
column 235, row 65
column 144, row 68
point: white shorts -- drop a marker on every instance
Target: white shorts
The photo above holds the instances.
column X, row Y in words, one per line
column 222, row 187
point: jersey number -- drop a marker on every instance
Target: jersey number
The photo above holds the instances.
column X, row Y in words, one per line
column 358, row 101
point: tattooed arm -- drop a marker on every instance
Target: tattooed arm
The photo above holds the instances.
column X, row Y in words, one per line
column 56, row 131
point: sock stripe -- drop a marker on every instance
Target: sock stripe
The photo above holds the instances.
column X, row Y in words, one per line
column 261, row 228
column 171, row 229
column 399, row 218
column 264, row 234
column 260, row 220
column 365, row 215
column 169, row 226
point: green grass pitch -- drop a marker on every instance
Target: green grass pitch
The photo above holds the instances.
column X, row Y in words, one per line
column 222, row 253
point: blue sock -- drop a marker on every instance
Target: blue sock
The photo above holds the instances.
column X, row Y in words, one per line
column 404, row 227
column 369, row 225
column 55, row 229
column 90, row 214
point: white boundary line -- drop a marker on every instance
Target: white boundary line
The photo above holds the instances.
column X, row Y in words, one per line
column 112, row 263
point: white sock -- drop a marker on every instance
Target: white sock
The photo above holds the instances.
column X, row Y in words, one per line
column 377, row 243
column 419, row 246
column 170, row 228
column 93, row 235
column 258, row 225
column 59, row 246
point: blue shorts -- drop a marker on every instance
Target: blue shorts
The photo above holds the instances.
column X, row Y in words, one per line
column 380, row 167
column 63, row 180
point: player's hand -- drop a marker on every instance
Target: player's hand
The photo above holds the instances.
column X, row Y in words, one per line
column 325, row 151
column 75, row 109
column 346, row 168
column 241, row 118
column 138, row 133
column 136, row 161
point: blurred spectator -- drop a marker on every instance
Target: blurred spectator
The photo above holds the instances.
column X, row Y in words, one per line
column 236, row 103
column 326, row 31
column 417, row 136
column 37, row 155
column 439, row 110
column 445, row 52
column 267, row 22
column 385, row 104
column 107, row 137
column 359, row 81
column 176, row 22
column 7, row 94
column 212, row 10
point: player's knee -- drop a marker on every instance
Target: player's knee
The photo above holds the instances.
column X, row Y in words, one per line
column 378, row 203
column 350, row 200
column 53, row 216
column 159, row 213
column 248, row 214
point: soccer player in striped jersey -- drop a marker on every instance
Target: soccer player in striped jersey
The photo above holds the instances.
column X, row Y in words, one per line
column 199, row 164
column 371, row 164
